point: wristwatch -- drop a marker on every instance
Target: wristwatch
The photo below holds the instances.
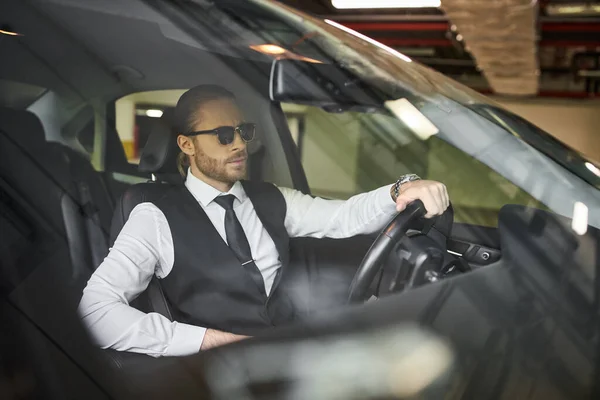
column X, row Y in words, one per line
column 403, row 179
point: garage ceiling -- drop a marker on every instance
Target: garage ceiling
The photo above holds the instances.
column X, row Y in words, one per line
column 547, row 48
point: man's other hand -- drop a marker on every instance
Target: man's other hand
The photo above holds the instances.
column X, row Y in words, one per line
column 433, row 195
column 215, row 338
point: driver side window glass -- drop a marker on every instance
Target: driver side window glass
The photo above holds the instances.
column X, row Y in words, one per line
column 135, row 116
column 347, row 153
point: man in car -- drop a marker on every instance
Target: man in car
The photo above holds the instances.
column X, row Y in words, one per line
column 218, row 243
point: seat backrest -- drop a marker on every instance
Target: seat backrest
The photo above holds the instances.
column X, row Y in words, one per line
column 44, row 257
column 35, row 172
column 35, row 178
column 58, row 185
column 158, row 158
column 95, row 203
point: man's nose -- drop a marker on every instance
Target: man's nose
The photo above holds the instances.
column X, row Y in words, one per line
column 238, row 142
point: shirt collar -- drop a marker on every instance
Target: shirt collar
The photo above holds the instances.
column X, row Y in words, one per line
column 205, row 194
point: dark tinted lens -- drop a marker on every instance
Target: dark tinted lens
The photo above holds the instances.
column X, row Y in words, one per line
column 247, row 131
column 225, row 134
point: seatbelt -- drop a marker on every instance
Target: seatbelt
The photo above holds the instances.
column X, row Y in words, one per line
column 92, row 222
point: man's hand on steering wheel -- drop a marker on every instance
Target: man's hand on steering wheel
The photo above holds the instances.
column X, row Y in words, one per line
column 414, row 200
column 433, row 195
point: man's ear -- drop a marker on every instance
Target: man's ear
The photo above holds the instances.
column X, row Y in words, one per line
column 186, row 144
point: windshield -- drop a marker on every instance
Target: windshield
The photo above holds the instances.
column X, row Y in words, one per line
column 387, row 68
column 262, row 31
column 168, row 43
column 542, row 141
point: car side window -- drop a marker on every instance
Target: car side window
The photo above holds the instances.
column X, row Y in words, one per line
column 129, row 121
column 347, row 153
column 65, row 121
column 135, row 115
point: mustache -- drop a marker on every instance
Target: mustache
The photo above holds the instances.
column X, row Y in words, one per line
column 238, row 155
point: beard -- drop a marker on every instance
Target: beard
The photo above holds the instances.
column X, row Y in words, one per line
column 221, row 170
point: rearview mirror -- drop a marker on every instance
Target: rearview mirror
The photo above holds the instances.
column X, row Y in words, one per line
column 321, row 85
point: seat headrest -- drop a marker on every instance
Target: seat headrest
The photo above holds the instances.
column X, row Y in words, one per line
column 23, row 127
column 160, row 152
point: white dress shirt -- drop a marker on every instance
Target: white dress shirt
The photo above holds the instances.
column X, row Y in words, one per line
column 144, row 247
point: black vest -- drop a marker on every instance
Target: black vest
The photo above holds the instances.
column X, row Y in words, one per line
column 208, row 286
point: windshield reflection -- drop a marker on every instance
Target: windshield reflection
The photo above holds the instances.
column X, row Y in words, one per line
column 542, row 141
column 391, row 72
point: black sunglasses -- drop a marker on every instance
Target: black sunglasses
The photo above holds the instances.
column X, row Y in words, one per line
column 226, row 134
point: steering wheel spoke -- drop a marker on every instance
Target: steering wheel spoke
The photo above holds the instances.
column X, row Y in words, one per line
column 421, row 262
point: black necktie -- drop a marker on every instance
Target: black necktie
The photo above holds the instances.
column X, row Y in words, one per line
column 238, row 242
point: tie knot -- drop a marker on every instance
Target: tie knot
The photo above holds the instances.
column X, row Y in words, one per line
column 225, row 201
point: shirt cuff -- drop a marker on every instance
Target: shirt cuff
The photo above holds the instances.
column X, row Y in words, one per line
column 384, row 199
column 186, row 340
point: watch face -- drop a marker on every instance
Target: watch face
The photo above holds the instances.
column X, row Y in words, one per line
column 409, row 178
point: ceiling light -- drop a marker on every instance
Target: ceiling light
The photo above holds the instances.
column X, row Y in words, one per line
column 573, row 9
column 580, row 218
column 279, row 52
column 351, row 4
column 417, row 51
column 422, row 127
column 368, row 39
column 272, row 49
column 589, row 74
column 5, row 30
column 154, row 113
column 593, row 168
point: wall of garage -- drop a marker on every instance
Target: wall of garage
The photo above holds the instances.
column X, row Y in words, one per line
column 574, row 122
column 342, row 157
column 329, row 153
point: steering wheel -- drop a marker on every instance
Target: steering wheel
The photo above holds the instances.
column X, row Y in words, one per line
column 381, row 248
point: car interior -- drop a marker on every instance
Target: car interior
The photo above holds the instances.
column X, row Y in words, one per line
column 67, row 187
column 71, row 193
